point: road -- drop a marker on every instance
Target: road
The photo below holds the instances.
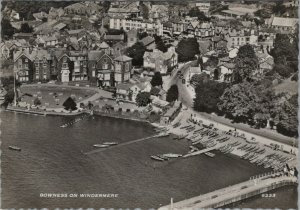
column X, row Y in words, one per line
column 184, row 95
column 186, row 98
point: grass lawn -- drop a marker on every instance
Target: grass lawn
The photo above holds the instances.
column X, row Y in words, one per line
column 51, row 100
column 288, row 86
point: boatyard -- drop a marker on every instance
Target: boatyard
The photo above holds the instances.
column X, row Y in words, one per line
column 211, row 138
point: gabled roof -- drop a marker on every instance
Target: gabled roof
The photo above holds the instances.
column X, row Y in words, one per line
column 227, row 65
column 103, row 45
column 59, row 26
column 123, row 58
column 77, row 31
column 124, row 86
column 95, row 54
column 114, row 37
column 147, row 40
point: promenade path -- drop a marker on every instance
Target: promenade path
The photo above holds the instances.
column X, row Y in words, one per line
column 232, row 193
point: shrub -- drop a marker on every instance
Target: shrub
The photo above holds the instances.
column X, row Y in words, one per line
column 69, row 104
column 37, row 102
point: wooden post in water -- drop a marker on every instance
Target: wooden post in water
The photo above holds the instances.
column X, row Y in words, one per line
column 171, row 206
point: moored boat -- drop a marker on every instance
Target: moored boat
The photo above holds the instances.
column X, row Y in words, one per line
column 171, row 155
column 101, row 145
column 14, row 148
column 155, row 157
column 110, row 143
column 209, row 154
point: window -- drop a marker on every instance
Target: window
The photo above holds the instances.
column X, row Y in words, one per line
column 36, row 64
column 65, row 65
column 20, row 63
column 26, row 60
column 45, row 64
column 37, row 77
column 65, row 59
column 105, row 63
column 93, row 73
column 26, row 65
column 94, row 65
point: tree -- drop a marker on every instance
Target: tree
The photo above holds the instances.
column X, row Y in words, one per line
column 195, row 12
column 285, row 49
column 252, row 103
column 154, row 91
column 187, row 49
column 172, row 94
column 70, row 104
column 208, row 95
column 287, row 117
column 25, row 28
column 106, row 6
column 160, row 45
column 144, row 11
column 44, row 19
column 143, row 98
column 37, row 102
column 142, row 35
column 279, row 8
column 156, row 80
column 7, row 30
column 198, row 78
column 282, row 70
column 9, row 97
column 136, row 52
column 246, row 62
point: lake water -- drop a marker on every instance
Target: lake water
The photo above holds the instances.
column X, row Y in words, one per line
column 52, row 161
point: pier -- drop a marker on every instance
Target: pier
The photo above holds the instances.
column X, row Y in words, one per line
column 201, row 151
column 234, row 193
column 122, row 144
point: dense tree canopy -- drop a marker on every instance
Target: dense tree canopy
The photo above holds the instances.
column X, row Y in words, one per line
column 7, row 30
column 172, row 94
column 143, row 99
column 144, row 11
column 208, row 95
column 287, row 118
column 136, row 52
column 70, row 104
column 187, row 49
column 106, row 5
column 156, row 79
column 195, row 12
column 285, row 51
column 198, row 78
column 246, row 62
column 37, row 102
column 160, row 44
column 251, row 103
column 25, row 28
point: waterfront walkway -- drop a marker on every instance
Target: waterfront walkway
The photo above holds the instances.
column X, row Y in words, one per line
column 233, row 193
column 122, row 144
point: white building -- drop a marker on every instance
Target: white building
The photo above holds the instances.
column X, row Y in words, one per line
column 203, row 7
column 140, row 25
